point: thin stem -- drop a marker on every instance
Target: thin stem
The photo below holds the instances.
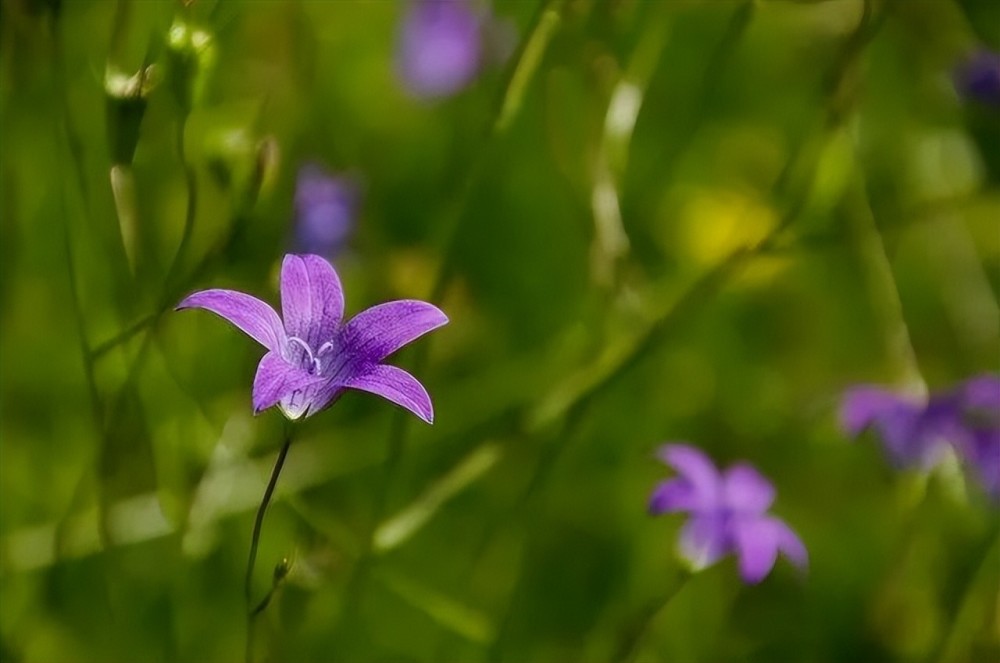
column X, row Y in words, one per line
column 523, row 67
column 632, row 642
column 882, row 289
column 950, row 648
column 255, row 539
column 105, row 346
column 191, row 183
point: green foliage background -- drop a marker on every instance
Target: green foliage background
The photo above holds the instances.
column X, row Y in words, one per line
column 802, row 203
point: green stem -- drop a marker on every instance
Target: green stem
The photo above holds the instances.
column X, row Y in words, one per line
column 255, row 541
column 631, row 644
column 950, row 647
column 191, row 184
column 882, row 289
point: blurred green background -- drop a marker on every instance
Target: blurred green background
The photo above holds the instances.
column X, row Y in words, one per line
column 677, row 220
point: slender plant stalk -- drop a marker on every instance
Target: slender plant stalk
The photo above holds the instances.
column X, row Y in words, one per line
column 523, row 67
column 705, row 288
column 191, row 209
column 631, row 644
column 252, row 612
column 951, row 645
column 882, row 290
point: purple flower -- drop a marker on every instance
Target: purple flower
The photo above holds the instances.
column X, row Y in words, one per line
column 440, row 47
column 728, row 514
column 978, row 77
column 979, row 399
column 913, row 433
column 312, row 357
column 918, row 433
column 325, row 207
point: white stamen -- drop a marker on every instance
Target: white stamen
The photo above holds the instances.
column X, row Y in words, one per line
column 313, row 359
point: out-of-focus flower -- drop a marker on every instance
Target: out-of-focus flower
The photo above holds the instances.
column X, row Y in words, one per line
column 325, row 209
column 919, row 433
column 440, row 47
column 312, row 356
column 978, row 77
column 729, row 514
column 125, row 98
column 913, row 433
column 190, row 57
column 980, row 446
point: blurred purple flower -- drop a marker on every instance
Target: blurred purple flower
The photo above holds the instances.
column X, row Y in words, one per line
column 919, row 433
column 312, row 357
column 325, row 209
column 729, row 514
column 913, row 433
column 980, row 446
column 440, row 47
column 978, row 77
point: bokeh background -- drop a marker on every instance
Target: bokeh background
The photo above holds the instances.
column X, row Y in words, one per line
column 690, row 220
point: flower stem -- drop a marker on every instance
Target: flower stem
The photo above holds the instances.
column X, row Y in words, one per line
column 631, row 643
column 255, row 539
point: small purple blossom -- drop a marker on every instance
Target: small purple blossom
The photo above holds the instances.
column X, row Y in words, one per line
column 978, row 77
column 325, row 209
column 312, row 357
column 729, row 514
column 913, row 433
column 440, row 47
column 919, row 433
column 980, row 445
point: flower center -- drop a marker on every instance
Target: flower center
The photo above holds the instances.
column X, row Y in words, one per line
column 309, row 360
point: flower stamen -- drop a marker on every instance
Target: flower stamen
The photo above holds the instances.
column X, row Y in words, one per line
column 313, row 359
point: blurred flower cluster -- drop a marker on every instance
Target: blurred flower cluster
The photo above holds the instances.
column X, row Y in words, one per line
column 920, row 433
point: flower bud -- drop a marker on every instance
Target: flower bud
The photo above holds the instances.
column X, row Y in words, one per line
column 125, row 98
column 190, row 54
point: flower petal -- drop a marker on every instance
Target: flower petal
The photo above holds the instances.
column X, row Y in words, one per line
column 981, row 395
column 703, row 540
column 253, row 317
column 862, row 407
column 910, row 431
column 747, row 490
column 980, row 449
column 697, row 470
column 673, row 495
column 277, row 380
column 790, row 544
column 756, row 541
column 376, row 333
column 395, row 385
column 312, row 300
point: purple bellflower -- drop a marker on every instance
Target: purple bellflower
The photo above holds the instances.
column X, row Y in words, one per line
column 729, row 514
column 980, row 447
column 325, row 209
column 919, row 433
column 312, row 357
column 914, row 433
column 440, row 47
column 978, row 77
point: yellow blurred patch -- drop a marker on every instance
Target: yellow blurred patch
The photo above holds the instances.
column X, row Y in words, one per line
column 717, row 223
